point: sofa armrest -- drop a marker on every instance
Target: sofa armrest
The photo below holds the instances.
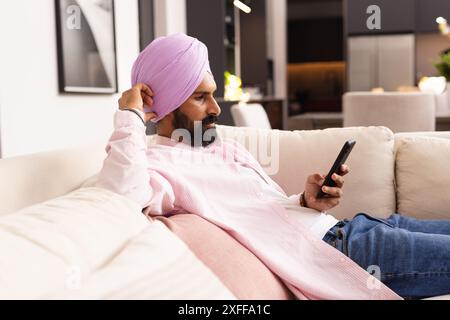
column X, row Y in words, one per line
column 34, row 178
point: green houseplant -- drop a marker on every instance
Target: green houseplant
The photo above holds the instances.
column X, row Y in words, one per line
column 443, row 65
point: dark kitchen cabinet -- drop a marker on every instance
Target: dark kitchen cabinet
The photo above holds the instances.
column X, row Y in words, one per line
column 428, row 11
column 397, row 16
column 206, row 22
column 213, row 22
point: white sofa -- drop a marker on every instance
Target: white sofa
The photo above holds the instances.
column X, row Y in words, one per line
column 406, row 172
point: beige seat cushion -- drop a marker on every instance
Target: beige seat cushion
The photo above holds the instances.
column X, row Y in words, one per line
column 93, row 243
column 153, row 265
column 423, row 177
column 42, row 243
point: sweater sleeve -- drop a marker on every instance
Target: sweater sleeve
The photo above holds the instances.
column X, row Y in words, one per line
column 125, row 169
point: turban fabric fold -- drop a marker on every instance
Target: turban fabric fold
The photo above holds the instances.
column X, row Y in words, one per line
column 173, row 67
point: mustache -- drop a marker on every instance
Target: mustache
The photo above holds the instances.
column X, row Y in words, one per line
column 209, row 119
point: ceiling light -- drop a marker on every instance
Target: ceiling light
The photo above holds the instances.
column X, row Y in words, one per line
column 440, row 20
column 242, row 6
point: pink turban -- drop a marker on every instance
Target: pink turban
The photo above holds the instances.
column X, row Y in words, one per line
column 173, row 67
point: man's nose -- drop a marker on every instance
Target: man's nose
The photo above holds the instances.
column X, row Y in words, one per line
column 213, row 108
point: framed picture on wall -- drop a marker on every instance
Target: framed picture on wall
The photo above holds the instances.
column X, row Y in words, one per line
column 86, row 46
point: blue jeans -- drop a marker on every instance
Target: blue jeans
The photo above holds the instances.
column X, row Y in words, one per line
column 410, row 256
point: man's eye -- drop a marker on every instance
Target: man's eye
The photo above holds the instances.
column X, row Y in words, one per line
column 199, row 98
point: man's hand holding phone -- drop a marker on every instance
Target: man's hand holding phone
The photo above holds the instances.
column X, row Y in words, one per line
column 333, row 194
column 323, row 192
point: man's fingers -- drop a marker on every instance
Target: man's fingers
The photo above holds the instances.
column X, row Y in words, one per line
column 144, row 88
column 146, row 93
column 344, row 170
column 334, row 202
column 149, row 116
column 315, row 179
column 329, row 202
column 338, row 179
column 147, row 99
column 147, row 90
column 332, row 191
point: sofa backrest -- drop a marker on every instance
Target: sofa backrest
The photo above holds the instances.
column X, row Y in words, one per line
column 369, row 187
column 406, row 135
column 422, row 174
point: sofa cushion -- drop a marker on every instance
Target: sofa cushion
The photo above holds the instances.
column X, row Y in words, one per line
column 239, row 269
column 96, row 241
column 82, row 229
column 290, row 156
column 90, row 182
column 422, row 177
column 153, row 265
column 34, row 178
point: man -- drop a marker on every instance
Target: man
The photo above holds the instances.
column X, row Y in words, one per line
column 219, row 180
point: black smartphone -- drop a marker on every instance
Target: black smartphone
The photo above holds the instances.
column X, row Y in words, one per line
column 336, row 168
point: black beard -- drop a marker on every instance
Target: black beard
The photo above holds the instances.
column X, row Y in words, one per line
column 181, row 121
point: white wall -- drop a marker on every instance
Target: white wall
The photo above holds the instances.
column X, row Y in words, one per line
column 277, row 43
column 170, row 17
column 34, row 117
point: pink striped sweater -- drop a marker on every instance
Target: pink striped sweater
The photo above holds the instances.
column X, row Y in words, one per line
column 170, row 177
